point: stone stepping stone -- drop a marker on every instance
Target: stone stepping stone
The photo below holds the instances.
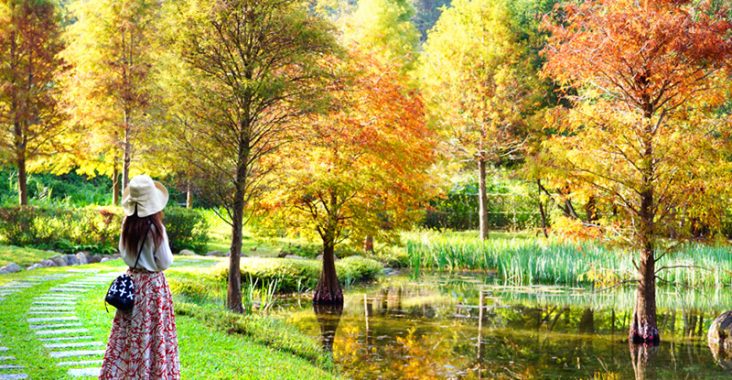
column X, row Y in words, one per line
column 18, row 286
column 52, row 319
column 61, row 331
column 85, row 372
column 10, row 366
column 50, row 311
column 57, row 298
column 81, row 363
column 6, row 358
column 74, row 287
column 13, row 376
column 3, row 349
column 58, row 314
column 55, row 326
column 52, row 308
column 65, row 338
column 74, row 344
column 71, row 354
column 50, row 303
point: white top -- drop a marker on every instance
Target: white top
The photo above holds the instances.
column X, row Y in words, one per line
column 156, row 261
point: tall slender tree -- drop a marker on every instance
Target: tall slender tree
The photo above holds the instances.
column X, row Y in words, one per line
column 478, row 85
column 29, row 113
column 253, row 66
column 647, row 72
column 111, row 47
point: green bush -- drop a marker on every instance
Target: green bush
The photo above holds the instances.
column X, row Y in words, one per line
column 297, row 275
column 90, row 228
column 65, row 229
column 187, row 229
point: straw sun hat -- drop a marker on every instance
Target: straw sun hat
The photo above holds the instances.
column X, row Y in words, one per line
column 144, row 196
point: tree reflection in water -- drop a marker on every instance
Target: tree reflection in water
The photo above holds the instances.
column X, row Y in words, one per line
column 329, row 316
column 408, row 330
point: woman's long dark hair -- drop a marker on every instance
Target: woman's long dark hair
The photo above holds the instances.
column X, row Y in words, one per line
column 135, row 228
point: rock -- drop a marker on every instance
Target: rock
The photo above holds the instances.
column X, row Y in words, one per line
column 11, row 268
column 296, row 257
column 719, row 339
column 187, row 252
column 320, row 257
column 47, row 263
column 71, row 259
column 35, row 266
column 59, row 261
column 218, row 254
column 93, row 259
column 82, row 257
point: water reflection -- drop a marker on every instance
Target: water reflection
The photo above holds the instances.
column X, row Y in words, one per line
column 451, row 329
column 328, row 316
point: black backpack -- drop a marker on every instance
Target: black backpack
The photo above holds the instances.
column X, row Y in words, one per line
column 121, row 293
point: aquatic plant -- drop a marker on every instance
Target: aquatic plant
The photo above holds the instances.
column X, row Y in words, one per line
column 521, row 261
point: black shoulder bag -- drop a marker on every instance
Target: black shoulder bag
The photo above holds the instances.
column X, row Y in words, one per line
column 121, row 293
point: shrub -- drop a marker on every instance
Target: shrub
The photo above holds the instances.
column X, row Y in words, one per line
column 296, row 275
column 187, row 229
column 66, row 229
column 90, row 228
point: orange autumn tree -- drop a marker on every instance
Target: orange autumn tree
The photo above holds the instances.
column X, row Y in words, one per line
column 358, row 170
column 647, row 75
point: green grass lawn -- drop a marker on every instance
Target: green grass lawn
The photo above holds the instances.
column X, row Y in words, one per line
column 22, row 256
column 207, row 351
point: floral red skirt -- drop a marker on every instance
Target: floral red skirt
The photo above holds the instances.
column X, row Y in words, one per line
column 144, row 344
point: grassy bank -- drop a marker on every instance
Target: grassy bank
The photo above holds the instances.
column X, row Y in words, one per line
column 214, row 344
column 22, row 256
column 520, row 260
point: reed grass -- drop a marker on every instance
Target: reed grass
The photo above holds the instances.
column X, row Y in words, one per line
column 525, row 261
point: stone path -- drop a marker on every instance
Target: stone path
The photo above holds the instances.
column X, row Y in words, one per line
column 52, row 317
column 9, row 367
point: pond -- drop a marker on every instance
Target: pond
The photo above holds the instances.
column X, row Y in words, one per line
column 434, row 327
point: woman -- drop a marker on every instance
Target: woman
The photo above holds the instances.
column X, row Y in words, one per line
column 143, row 343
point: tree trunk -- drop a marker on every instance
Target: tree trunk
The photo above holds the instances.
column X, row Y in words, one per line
column 20, row 162
column 328, row 290
column 368, row 244
column 115, row 184
column 643, row 328
column 482, row 200
column 127, row 158
column 233, row 297
column 22, row 180
column 542, row 212
column 189, row 195
column 591, row 209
